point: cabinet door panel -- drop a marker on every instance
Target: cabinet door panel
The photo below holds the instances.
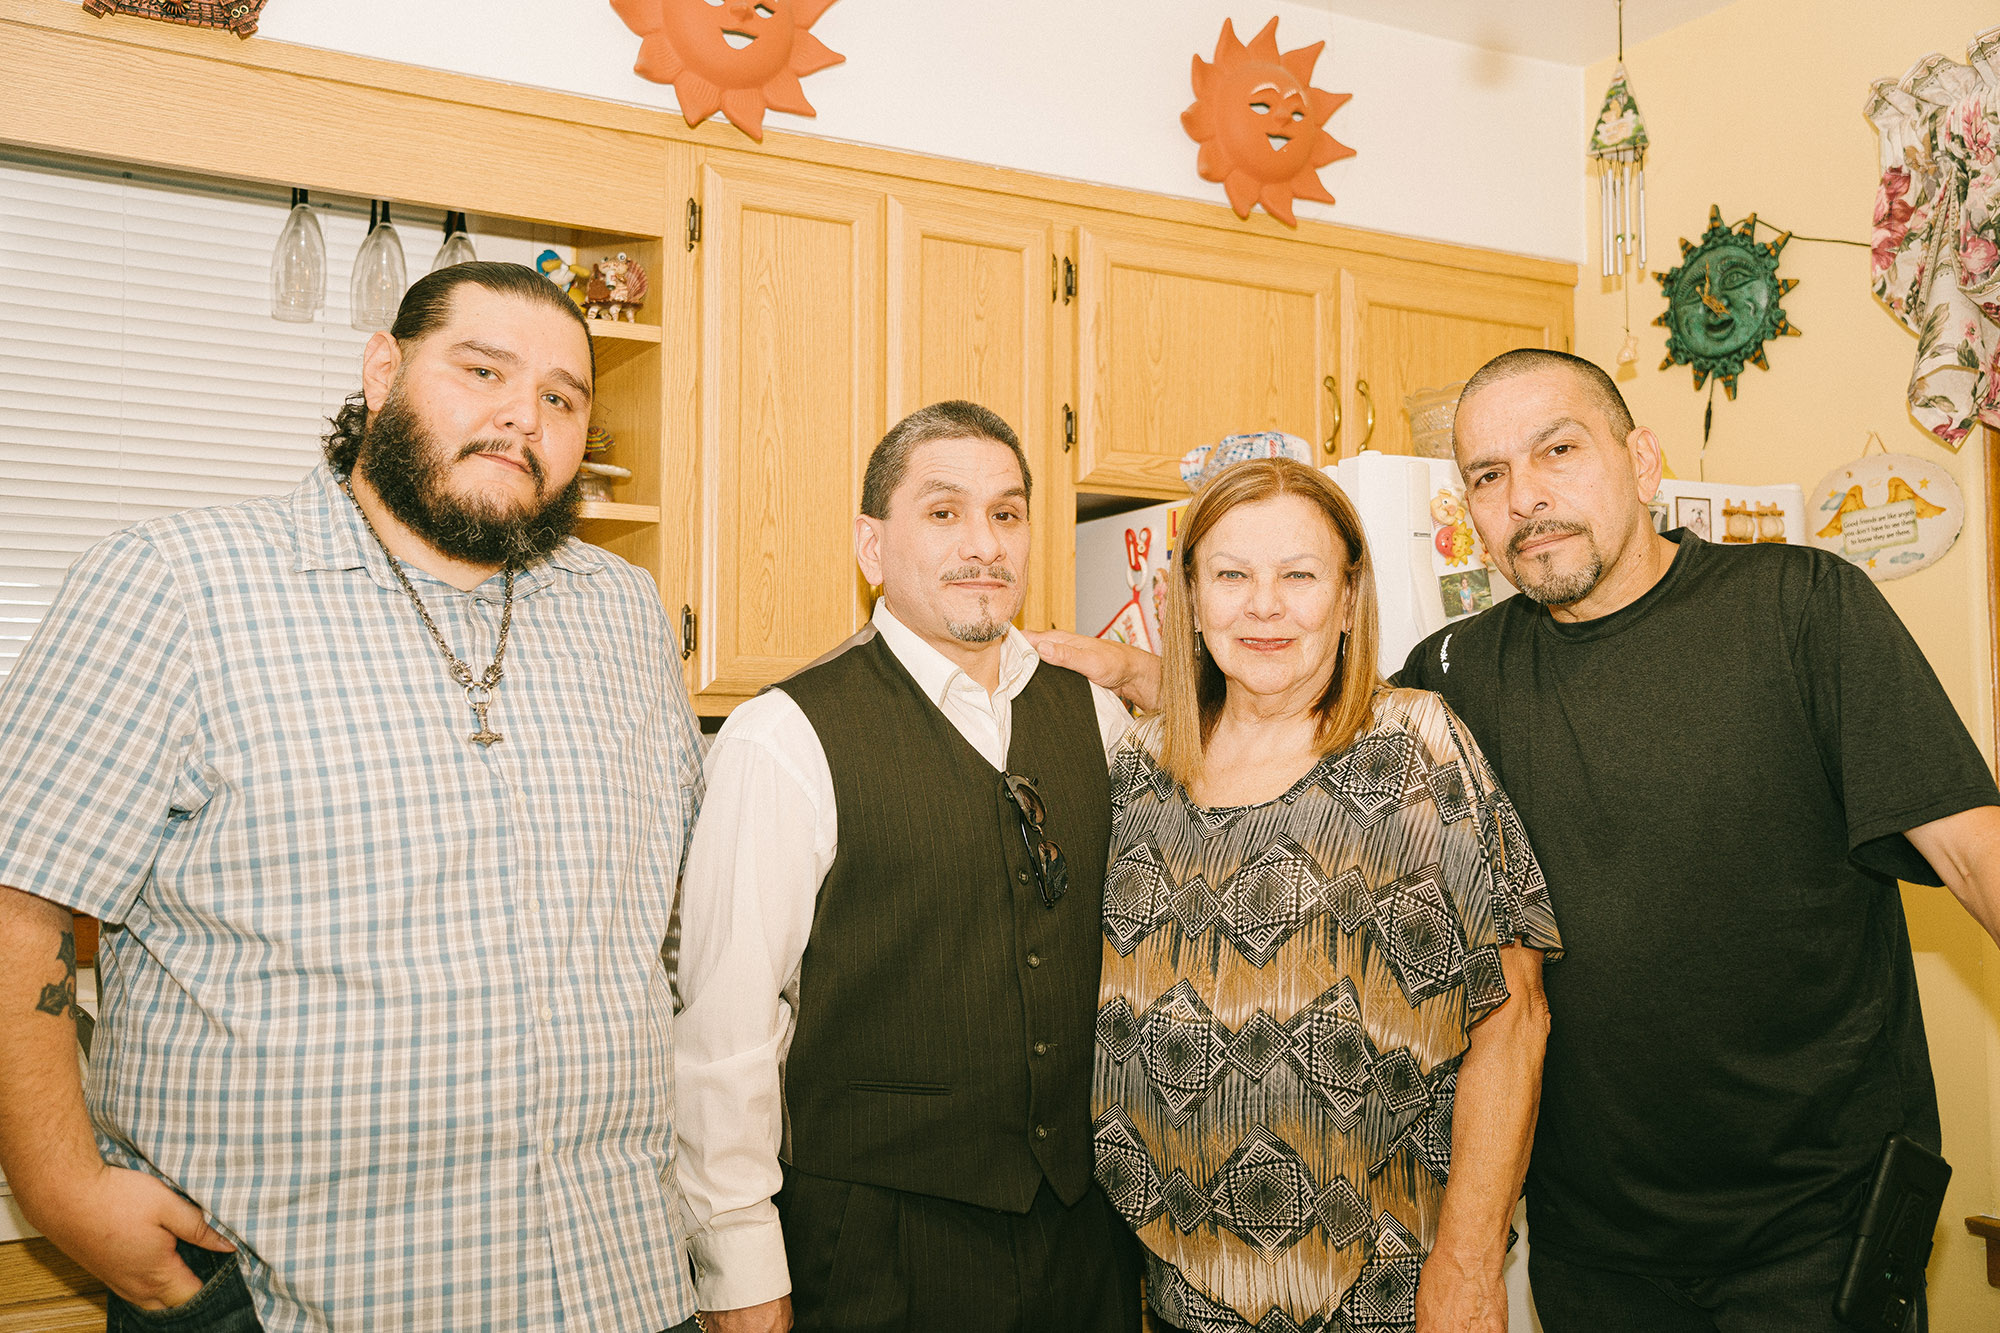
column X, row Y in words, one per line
column 1186, row 339
column 791, row 321
column 969, row 317
column 1415, row 328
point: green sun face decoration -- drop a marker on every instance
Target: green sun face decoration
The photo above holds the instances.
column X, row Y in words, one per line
column 1722, row 302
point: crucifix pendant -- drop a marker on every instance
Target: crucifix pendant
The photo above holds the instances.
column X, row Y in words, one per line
column 481, row 699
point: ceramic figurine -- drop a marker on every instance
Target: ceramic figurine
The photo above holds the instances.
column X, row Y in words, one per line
column 1261, row 124
column 739, row 57
column 615, row 289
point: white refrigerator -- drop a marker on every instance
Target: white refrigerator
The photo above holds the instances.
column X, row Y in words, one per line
column 1430, row 566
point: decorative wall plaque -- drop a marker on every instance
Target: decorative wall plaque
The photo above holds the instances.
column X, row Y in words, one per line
column 238, row 16
column 1722, row 302
column 1261, row 124
column 739, row 57
column 1891, row 514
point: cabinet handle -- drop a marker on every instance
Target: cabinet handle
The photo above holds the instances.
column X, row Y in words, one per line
column 1069, row 427
column 1368, row 425
column 1333, row 391
column 688, row 628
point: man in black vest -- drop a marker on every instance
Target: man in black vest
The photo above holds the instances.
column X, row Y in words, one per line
column 890, row 946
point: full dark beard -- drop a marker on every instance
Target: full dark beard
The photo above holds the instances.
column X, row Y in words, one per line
column 1544, row 585
column 411, row 471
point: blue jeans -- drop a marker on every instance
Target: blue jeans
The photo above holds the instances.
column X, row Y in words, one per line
column 1789, row 1295
column 221, row 1306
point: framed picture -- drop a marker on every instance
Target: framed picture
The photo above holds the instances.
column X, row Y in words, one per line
column 1466, row 593
column 1696, row 513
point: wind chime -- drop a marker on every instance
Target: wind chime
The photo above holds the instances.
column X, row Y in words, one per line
column 1618, row 146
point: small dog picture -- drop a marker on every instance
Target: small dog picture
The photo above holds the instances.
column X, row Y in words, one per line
column 1696, row 514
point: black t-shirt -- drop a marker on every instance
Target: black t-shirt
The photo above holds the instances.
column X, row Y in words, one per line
column 1717, row 779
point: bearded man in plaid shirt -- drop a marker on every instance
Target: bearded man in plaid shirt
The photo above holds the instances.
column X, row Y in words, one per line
column 380, row 789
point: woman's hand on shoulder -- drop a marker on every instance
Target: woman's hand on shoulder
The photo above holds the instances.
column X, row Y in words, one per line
column 1133, row 674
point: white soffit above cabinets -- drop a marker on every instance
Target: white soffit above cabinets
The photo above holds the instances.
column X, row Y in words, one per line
column 1567, row 32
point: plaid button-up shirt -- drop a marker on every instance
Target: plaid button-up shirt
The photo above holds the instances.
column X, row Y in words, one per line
column 386, row 1004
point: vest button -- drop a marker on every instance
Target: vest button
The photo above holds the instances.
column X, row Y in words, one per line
column 1034, row 960
column 1041, row 1048
column 1021, row 875
column 1041, row 1131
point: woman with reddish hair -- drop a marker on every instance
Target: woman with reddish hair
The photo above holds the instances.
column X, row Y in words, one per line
column 1321, row 1028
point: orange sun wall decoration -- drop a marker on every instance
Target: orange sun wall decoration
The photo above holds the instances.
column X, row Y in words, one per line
column 1261, row 124
column 738, row 57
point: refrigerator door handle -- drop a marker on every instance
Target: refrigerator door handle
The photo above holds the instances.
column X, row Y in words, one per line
column 1333, row 391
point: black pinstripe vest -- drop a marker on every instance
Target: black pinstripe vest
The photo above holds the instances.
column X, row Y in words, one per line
column 945, row 1014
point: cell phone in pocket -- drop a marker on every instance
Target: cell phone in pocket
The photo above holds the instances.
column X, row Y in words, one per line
column 1886, row 1270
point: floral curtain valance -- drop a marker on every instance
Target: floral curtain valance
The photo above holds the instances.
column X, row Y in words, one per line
column 1936, row 253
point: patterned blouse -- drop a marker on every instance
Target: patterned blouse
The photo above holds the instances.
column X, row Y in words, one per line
column 1287, row 992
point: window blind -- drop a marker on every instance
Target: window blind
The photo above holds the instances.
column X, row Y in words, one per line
column 140, row 369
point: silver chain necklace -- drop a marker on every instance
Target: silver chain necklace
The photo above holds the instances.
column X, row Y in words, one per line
column 478, row 691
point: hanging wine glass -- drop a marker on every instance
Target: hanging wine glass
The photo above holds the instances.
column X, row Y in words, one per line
column 298, row 266
column 380, row 275
column 457, row 247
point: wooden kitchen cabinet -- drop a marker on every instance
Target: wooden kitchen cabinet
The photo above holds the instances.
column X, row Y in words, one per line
column 646, row 393
column 627, row 404
column 1187, row 334
column 976, row 310
column 1410, row 326
column 833, row 304
column 791, row 403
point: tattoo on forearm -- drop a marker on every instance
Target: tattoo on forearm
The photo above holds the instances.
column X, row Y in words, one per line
column 59, row 998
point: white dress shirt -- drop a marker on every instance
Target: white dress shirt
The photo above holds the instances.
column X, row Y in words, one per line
column 764, row 843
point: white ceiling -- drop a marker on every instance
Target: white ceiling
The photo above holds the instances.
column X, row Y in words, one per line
column 1569, row 32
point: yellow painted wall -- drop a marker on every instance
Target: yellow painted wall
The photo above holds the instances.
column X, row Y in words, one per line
column 1757, row 106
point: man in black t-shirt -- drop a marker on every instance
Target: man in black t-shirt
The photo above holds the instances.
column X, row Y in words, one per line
column 1725, row 758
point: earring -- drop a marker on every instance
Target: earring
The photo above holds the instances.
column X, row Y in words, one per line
column 1197, row 643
